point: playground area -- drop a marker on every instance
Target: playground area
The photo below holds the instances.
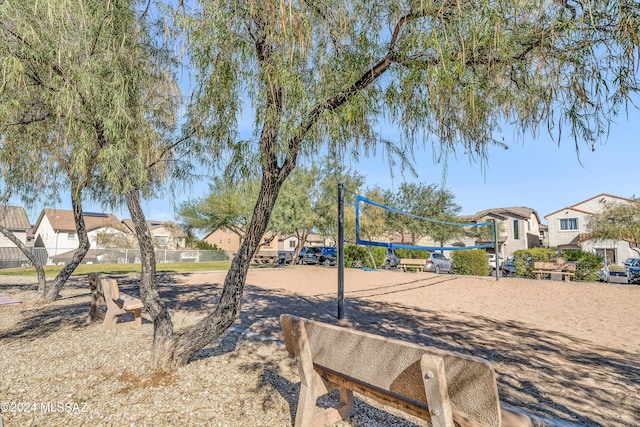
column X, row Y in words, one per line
column 567, row 353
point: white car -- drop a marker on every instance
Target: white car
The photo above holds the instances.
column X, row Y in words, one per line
column 492, row 261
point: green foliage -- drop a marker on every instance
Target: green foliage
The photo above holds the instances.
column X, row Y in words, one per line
column 452, row 70
column 616, row 221
column 205, row 246
column 423, row 201
column 525, row 258
column 85, row 96
column 360, row 256
column 412, row 253
column 470, row 262
column 587, row 264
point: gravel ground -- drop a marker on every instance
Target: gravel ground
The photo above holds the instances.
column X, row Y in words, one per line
column 57, row 370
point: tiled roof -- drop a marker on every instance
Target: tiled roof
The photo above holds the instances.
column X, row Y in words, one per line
column 62, row 220
column 573, row 207
column 518, row 211
column 12, row 254
column 14, row 218
column 521, row 212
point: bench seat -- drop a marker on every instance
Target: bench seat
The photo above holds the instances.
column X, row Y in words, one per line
column 106, row 290
column 407, row 263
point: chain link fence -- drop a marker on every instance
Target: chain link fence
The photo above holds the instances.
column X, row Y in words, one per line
column 112, row 256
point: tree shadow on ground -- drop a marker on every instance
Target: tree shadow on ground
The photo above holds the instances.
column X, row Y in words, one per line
column 547, row 373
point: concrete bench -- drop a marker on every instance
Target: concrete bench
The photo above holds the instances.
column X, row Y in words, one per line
column 443, row 388
column 105, row 290
column 546, row 269
column 407, row 263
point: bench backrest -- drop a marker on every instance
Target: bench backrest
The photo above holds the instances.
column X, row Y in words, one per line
column 110, row 288
column 540, row 265
column 394, row 366
column 413, row 261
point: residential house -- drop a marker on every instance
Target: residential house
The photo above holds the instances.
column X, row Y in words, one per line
column 55, row 231
column 229, row 241
column 15, row 220
column 568, row 228
column 518, row 228
column 166, row 234
column 224, row 239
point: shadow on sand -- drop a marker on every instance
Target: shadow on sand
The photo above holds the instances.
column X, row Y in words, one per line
column 547, row 373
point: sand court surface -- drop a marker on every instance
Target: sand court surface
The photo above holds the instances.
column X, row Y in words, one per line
column 566, row 353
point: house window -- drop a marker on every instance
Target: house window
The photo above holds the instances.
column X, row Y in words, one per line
column 71, row 235
column 292, row 243
column 516, row 229
column 161, row 241
column 569, row 224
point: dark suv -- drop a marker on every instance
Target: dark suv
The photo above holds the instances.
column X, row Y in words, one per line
column 324, row 255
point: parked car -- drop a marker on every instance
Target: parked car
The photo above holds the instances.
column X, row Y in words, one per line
column 324, row 255
column 492, row 261
column 508, row 267
column 632, row 268
column 328, row 255
column 303, row 252
column 438, row 263
column 391, row 259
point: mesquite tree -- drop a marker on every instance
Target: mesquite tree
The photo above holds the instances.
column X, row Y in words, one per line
column 84, row 100
column 321, row 73
column 617, row 221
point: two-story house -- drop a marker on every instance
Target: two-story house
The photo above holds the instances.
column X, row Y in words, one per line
column 55, row 231
column 518, row 228
column 568, row 228
column 166, row 234
column 14, row 219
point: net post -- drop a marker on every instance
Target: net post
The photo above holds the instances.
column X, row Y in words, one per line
column 494, row 237
column 340, row 251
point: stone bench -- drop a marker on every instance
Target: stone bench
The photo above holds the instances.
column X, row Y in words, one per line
column 107, row 291
column 546, row 269
column 445, row 389
column 407, row 263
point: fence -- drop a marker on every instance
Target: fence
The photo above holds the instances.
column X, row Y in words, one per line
column 115, row 256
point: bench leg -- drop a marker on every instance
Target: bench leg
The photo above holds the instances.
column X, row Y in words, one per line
column 111, row 319
column 435, row 387
column 312, row 386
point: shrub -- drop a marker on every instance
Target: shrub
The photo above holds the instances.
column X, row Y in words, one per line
column 587, row 264
column 470, row 263
column 359, row 256
column 524, row 259
column 412, row 253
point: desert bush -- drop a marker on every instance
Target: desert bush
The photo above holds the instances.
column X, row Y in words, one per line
column 470, row 263
column 587, row 264
column 358, row 256
column 524, row 259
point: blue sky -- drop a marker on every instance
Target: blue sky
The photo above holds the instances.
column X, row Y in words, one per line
column 537, row 173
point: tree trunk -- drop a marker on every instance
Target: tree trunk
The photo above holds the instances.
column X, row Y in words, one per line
column 228, row 308
column 52, row 290
column 163, row 341
column 27, row 252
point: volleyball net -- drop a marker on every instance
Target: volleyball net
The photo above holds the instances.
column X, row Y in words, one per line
column 374, row 221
